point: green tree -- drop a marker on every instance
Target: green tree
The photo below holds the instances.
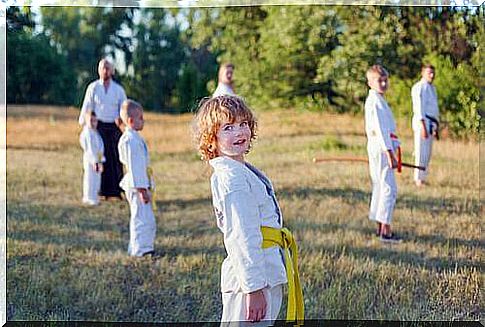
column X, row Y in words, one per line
column 293, row 39
column 157, row 60
column 85, row 34
column 36, row 73
column 232, row 34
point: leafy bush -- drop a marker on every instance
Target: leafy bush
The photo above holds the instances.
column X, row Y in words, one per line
column 458, row 96
column 36, row 73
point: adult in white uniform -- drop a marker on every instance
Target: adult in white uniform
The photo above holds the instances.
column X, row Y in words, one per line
column 93, row 159
column 137, row 183
column 104, row 96
column 225, row 81
column 425, row 121
column 381, row 148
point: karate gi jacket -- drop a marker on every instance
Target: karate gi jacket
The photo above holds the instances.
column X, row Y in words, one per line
column 242, row 205
column 92, row 145
column 223, row 89
column 425, row 103
column 106, row 104
column 379, row 124
column 134, row 155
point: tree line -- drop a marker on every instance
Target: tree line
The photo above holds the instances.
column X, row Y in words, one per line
column 286, row 57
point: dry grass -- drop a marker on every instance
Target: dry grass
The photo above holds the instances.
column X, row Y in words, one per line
column 68, row 262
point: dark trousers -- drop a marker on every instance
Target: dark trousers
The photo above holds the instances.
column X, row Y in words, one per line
column 113, row 169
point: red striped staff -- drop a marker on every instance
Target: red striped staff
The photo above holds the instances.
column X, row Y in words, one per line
column 357, row 159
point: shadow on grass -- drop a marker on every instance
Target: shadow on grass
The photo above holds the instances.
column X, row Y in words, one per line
column 391, row 254
column 348, row 195
column 101, row 228
column 176, row 205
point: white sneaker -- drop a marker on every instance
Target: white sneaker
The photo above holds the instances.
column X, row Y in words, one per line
column 90, row 202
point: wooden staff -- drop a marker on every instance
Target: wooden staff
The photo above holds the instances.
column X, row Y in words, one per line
column 356, row 159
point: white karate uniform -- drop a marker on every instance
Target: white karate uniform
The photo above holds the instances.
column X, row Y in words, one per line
column 106, row 104
column 244, row 200
column 425, row 104
column 379, row 124
column 93, row 148
column 223, row 89
column 134, row 155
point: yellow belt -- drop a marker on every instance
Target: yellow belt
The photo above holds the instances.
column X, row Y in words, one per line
column 152, row 187
column 284, row 239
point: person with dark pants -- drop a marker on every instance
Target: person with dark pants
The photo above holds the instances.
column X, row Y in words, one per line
column 104, row 96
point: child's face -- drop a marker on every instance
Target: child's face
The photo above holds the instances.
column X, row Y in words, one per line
column 233, row 139
column 136, row 121
column 379, row 83
column 92, row 122
column 428, row 74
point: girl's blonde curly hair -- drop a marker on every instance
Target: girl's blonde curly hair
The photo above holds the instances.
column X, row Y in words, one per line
column 214, row 112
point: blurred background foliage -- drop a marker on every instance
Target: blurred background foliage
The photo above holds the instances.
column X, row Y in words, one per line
column 286, row 57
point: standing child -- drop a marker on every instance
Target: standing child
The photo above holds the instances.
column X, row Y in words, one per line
column 93, row 159
column 382, row 145
column 248, row 215
column 136, row 182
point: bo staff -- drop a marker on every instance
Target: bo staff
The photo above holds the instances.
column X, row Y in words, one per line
column 354, row 159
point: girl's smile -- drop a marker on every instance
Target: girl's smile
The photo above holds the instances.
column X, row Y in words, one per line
column 233, row 139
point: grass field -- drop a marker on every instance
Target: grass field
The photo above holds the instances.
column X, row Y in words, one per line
column 66, row 261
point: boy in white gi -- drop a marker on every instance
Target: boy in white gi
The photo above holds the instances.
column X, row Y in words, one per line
column 249, row 216
column 425, row 121
column 382, row 144
column 93, row 159
column 136, row 182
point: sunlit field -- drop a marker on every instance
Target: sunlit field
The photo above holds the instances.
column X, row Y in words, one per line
column 66, row 261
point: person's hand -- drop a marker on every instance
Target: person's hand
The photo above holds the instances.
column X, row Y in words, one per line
column 98, row 167
column 120, row 124
column 424, row 131
column 144, row 195
column 255, row 306
column 391, row 159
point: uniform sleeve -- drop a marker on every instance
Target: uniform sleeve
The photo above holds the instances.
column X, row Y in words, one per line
column 88, row 103
column 243, row 238
column 82, row 140
column 381, row 129
column 416, row 96
column 437, row 113
column 134, row 160
column 121, row 98
column 101, row 149
column 90, row 149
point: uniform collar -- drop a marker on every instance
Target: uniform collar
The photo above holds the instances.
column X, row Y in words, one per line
column 101, row 82
column 223, row 162
column 372, row 91
column 424, row 81
column 128, row 129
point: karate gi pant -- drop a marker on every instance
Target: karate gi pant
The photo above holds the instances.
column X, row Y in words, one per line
column 142, row 225
column 91, row 184
column 384, row 188
column 422, row 155
column 112, row 167
column 234, row 307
